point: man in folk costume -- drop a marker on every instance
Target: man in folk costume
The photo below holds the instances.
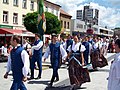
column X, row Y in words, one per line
column 88, row 47
column 97, row 59
column 114, row 74
column 77, row 73
column 55, row 50
column 37, row 56
column 18, row 62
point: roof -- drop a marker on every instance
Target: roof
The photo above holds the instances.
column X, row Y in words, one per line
column 52, row 3
column 15, row 32
column 65, row 13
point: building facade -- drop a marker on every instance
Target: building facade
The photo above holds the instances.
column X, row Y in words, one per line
column 12, row 12
column 78, row 26
column 52, row 8
column 89, row 15
column 65, row 19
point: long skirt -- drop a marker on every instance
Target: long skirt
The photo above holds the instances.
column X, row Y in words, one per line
column 77, row 74
column 98, row 60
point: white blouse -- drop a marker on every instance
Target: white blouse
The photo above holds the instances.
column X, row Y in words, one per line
column 75, row 47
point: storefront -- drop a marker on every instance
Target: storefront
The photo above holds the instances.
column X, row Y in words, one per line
column 6, row 34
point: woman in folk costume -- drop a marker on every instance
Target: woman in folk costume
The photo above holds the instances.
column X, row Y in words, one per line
column 77, row 73
column 104, row 47
column 97, row 59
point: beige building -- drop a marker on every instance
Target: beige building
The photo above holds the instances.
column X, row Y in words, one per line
column 65, row 22
column 52, row 8
column 12, row 12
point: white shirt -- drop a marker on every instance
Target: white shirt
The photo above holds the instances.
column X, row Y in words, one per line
column 5, row 51
column 96, row 45
column 75, row 47
column 114, row 74
column 38, row 46
column 25, row 60
column 62, row 51
column 26, row 45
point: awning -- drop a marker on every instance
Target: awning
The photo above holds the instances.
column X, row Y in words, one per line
column 90, row 31
column 11, row 32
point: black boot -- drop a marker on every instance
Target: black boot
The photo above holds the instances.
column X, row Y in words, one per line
column 32, row 75
column 51, row 82
column 57, row 79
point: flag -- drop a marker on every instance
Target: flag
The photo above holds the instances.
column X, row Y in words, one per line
column 41, row 18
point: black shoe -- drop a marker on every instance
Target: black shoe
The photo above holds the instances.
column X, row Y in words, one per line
column 50, row 66
column 39, row 77
column 30, row 78
column 57, row 79
column 50, row 85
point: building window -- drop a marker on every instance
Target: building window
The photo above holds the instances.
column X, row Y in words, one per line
column 5, row 16
column 64, row 24
column 52, row 11
column 15, row 18
column 79, row 26
column 56, row 13
column 32, row 5
column 5, row 1
column 68, row 25
column 23, row 16
column 46, row 9
column 24, row 4
column 15, row 2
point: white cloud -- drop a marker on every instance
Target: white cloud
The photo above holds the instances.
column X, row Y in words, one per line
column 115, row 2
column 107, row 16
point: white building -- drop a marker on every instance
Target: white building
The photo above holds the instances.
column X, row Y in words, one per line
column 89, row 15
column 52, row 8
column 78, row 26
column 12, row 12
column 102, row 31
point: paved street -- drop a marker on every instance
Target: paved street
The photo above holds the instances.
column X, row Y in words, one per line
column 98, row 79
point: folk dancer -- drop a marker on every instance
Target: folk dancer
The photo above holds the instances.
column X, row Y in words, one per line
column 55, row 50
column 97, row 59
column 37, row 56
column 18, row 62
column 88, row 47
column 77, row 74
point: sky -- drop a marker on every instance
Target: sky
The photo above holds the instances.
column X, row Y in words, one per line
column 109, row 10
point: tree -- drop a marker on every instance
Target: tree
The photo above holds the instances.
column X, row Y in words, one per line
column 30, row 22
column 52, row 23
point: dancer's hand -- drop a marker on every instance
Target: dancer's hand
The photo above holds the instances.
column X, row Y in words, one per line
column 44, row 59
column 6, row 75
column 24, row 79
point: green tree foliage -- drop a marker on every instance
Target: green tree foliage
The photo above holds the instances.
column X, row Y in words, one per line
column 30, row 22
column 52, row 23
